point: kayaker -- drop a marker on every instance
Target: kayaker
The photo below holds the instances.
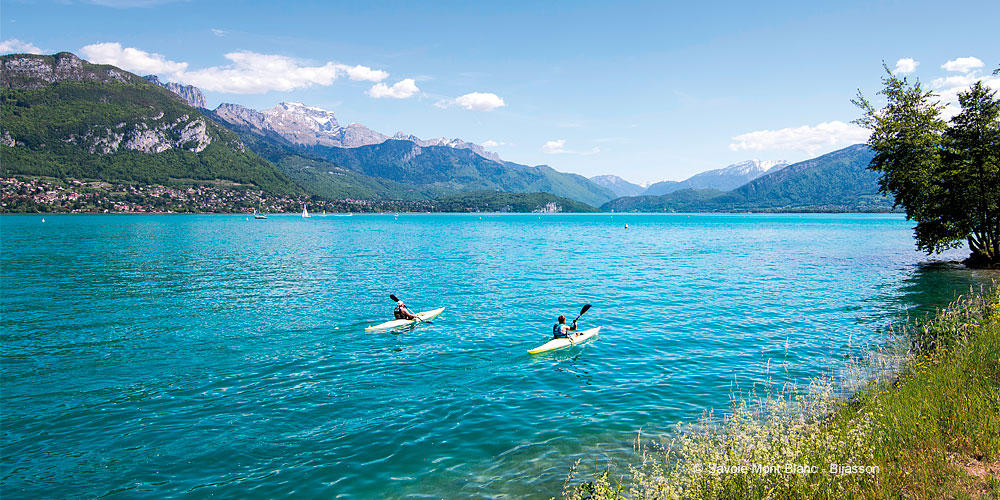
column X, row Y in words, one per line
column 401, row 312
column 559, row 329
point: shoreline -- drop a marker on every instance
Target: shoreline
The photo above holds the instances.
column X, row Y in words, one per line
column 923, row 428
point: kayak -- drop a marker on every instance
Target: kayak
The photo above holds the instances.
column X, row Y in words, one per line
column 574, row 339
column 424, row 316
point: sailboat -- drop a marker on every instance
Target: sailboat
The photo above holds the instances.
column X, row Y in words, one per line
column 258, row 215
column 305, row 214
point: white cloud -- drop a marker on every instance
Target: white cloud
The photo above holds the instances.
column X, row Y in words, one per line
column 399, row 90
column 493, row 144
column 559, row 147
column 962, row 64
column 249, row 73
column 363, row 73
column 131, row 59
column 905, row 66
column 475, row 101
column 947, row 89
column 805, row 138
column 956, row 81
column 554, row 147
column 15, row 46
column 218, row 32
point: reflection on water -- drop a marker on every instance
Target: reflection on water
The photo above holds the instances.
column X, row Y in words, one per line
column 935, row 284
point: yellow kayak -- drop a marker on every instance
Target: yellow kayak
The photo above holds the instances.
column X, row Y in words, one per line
column 574, row 339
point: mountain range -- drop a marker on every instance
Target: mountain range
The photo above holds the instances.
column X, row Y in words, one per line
column 315, row 147
column 65, row 118
column 308, row 125
column 837, row 181
column 721, row 179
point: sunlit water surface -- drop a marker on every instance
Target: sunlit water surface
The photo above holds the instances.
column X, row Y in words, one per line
column 158, row 356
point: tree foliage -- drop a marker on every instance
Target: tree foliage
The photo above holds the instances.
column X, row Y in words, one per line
column 944, row 175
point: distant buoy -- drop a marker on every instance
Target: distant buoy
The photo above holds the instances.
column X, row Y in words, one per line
column 626, row 226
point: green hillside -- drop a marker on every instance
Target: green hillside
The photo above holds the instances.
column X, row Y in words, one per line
column 838, row 181
column 441, row 169
column 62, row 117
column 326, row 179
column 495, row 201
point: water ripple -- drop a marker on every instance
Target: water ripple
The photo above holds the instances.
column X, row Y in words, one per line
column 161, row 356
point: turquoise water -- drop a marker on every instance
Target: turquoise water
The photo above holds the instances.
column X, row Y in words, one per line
column 156, row 356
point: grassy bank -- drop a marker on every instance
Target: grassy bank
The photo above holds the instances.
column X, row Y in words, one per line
column 928, row 430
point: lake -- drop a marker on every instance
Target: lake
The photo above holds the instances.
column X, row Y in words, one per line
column 197, row 355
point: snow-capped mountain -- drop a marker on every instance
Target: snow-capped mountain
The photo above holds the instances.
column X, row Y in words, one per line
column 617, row 185
column 451, row 143
column 755, row 166
column 314, row 126
column 722, row 179
column 646, row 184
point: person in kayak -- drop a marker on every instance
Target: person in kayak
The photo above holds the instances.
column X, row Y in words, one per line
column 401, row 312
column 560, row 329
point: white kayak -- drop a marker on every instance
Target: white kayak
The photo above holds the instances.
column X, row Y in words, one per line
column 574, row 339
column 424, row 316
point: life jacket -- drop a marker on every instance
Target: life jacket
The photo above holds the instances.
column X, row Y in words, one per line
column 398, row 312
column 557, row 332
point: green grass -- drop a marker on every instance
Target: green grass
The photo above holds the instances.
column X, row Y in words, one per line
column 931, row 430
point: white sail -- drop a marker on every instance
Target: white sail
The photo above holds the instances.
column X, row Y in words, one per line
column 305, row 214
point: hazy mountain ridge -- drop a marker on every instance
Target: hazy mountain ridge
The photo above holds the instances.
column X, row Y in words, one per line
column 721, row 179
column 835, row 181
column 617, row 185
column 442, row 169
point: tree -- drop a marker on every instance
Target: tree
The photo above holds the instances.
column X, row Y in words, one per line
column 945, row 177
column 972, row 169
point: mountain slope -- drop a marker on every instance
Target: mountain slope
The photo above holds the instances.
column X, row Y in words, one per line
column 63, row 117
column 836, row 181
column 617, row 185
column 313, row 126
column 721, row 179
column 442, row 170
column 324, row 178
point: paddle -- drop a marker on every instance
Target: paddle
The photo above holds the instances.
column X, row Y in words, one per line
column 586, row 308
column 396, row 299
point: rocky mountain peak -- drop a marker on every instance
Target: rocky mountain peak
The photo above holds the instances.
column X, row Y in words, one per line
column 189, row 93
column 450, row 143
column 33, row 71
column 241, row 116
column 312, row 125
column 312, row 117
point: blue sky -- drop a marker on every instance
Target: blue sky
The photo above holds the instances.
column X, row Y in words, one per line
column 643, row 90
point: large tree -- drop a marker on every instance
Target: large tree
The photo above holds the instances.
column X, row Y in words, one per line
column 945, row 176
